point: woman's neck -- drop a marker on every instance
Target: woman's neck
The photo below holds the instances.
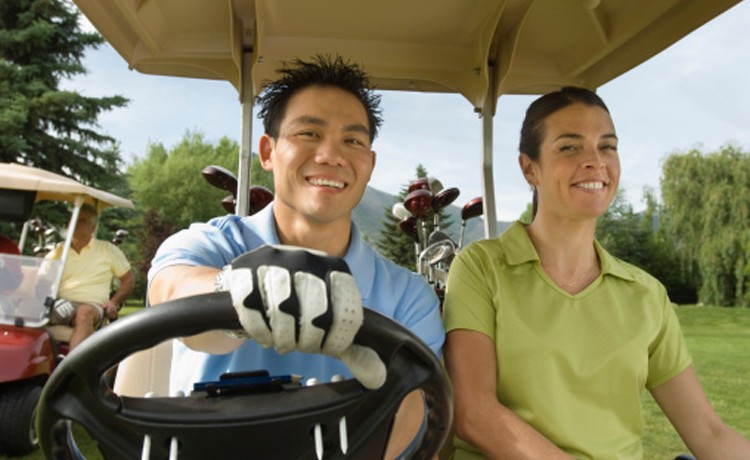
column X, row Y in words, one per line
column 566, row 251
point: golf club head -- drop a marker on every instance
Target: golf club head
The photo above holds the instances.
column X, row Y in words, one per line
column 444, row 198
column 228, row 203
column 400, row 211
column 437, row 236
column 260, row 197
column 38, row 226
column 435, row 186
column 417, row 184
column 419, row 203
column 439, row 251
column 473, row 208
column 409, row 226
column 221, row 178
column 120, row 233
column 116, row 241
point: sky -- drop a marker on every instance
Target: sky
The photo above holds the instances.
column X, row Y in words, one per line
column 695, row 94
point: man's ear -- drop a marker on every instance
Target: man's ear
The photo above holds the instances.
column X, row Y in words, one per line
column 528, row 168
column 265, row 148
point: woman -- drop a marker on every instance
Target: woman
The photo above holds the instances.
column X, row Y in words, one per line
column 551, row 339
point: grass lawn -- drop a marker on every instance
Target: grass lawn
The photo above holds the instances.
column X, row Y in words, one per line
column 719, row 340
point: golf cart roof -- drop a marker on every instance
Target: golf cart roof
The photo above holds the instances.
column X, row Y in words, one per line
column 51, row 186
column 481, row 49
column 478, row 48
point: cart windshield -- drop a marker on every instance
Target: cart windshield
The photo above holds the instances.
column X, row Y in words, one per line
column 26, row 289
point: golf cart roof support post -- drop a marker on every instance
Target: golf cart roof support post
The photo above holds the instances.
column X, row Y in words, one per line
column 24, row 234
column 488, row 185
column 68, row 241
column 247, row 97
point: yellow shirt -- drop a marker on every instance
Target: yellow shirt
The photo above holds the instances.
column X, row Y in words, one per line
column 87, row 276
column 572, row 366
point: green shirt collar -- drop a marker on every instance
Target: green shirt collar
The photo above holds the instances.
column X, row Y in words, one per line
column 519, row 250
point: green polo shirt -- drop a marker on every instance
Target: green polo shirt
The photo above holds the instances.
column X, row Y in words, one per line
column 573, row 366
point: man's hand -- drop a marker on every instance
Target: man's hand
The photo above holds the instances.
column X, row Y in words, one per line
column 110, row 309
column 292, row 298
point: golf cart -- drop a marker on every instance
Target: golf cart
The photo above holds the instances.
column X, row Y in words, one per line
column 479, row 49
column 29, row 347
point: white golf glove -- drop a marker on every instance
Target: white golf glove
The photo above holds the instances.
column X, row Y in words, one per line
column 293, row 298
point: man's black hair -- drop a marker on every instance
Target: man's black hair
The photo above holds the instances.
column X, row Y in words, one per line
column 320, row 71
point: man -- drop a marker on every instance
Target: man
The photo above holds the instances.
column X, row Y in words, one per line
column 320, row 119
column 87, row 279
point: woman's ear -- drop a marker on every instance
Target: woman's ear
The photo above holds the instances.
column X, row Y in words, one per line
column 528, row 168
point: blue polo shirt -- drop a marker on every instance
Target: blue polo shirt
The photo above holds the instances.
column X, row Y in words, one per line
column 385, row 288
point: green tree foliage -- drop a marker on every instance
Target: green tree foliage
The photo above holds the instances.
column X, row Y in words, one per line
column 707, row 198
column 393, row 243
column 396, row 245
column 171, row 193
column 620, row 231
column 636, row 238
column 171, row 182
column 40, row 124
column 662, row 259
column 149, row 235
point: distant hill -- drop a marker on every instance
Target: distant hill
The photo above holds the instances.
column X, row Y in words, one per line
column 369, row 214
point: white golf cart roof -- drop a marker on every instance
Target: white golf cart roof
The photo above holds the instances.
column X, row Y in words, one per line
column 51, row 186
column 480, row 49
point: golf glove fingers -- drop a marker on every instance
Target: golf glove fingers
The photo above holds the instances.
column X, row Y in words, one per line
column 292, row 298
column 366, row 366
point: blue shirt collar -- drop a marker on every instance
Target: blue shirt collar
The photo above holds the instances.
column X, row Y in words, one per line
column 359, row 256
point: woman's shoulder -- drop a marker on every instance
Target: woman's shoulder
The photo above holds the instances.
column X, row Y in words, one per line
column 628, row 271
column 512, row 246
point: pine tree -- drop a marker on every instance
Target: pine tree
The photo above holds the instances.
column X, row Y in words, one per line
column 41, row 125
column 393, row 243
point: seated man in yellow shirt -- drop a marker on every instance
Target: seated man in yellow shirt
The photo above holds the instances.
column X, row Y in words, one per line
column 87, row 279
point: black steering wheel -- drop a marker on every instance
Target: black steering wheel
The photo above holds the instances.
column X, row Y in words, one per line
column 278, row 424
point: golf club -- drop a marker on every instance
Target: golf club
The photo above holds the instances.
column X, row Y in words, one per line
column 260, row 197
column 419, row 203
column 417, row 184
column 220, row 177
column 436, row 258
column 228, row 203
column 438, row 235
column 435, row 186
column 120, row 235
column 400, row 211
column 473, row 208
column 410, row 227
column 440, row 201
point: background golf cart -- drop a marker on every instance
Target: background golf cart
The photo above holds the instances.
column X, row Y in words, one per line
column 480, row 49
column 29, row 347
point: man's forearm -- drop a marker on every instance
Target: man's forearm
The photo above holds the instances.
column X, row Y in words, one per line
column 183, row 281
column 127, row 283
